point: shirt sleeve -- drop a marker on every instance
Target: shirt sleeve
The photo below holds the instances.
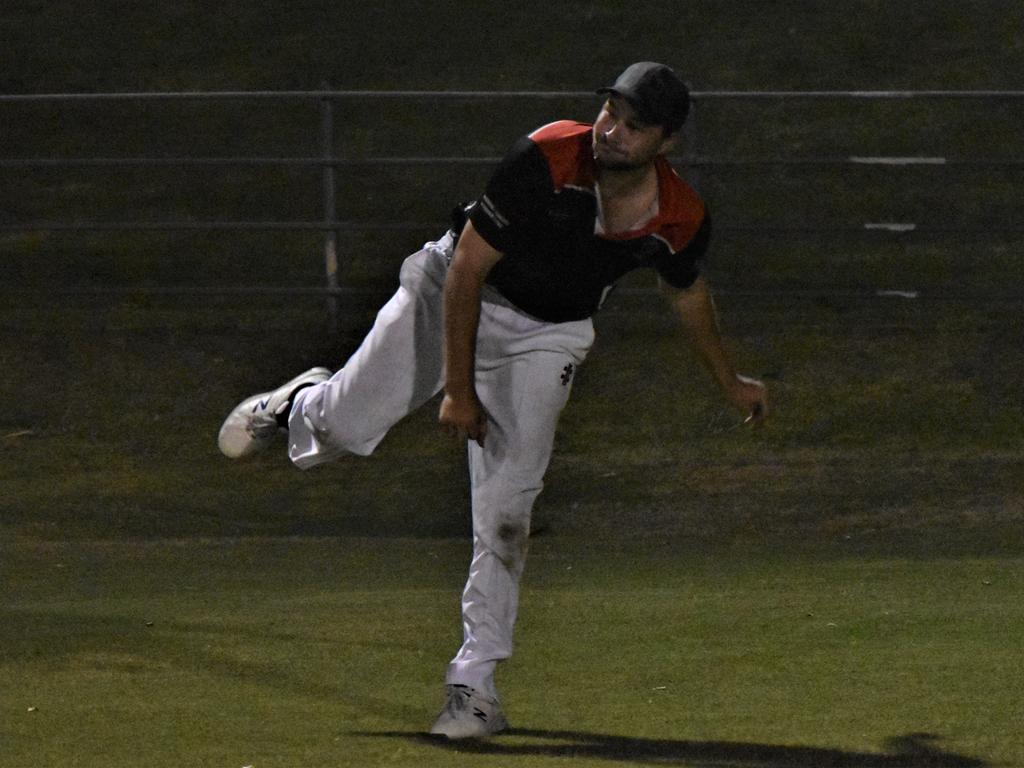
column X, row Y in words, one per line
column 681, row 269
column 518, row 190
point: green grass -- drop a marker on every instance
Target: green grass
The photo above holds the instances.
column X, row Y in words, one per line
column 890, row 418
column 312, row 652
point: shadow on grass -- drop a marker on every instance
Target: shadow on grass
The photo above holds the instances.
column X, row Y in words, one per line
column 917, row 750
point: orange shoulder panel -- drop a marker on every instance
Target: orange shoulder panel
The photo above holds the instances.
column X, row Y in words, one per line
column 567, row 147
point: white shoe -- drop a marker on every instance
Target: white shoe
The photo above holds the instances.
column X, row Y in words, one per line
column 469, row 714
column 253, row 424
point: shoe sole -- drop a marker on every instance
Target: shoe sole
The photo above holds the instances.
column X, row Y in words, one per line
column 500, row 725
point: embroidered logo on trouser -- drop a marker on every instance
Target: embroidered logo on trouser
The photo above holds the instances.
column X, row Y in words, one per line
column 567, row 373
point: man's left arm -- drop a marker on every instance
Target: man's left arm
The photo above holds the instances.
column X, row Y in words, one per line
column 695, row 308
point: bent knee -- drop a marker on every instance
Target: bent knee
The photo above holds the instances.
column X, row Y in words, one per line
column 334, row 434
column 508, row 538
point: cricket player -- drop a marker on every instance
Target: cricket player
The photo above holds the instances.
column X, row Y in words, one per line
column 496, row 314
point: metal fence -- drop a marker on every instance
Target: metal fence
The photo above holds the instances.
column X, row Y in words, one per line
column 330, row 162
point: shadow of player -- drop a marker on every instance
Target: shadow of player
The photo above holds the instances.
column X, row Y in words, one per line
column 917, row 750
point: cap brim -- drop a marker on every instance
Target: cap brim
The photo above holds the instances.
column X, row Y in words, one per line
column 633, row 102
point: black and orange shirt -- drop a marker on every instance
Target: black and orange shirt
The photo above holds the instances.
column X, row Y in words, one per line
column 540, row 210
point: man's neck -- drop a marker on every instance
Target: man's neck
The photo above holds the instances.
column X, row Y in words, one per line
column 626, row 199
column 619, row 184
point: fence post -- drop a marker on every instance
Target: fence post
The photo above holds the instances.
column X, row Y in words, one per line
column 690, row 138
column 330, row 210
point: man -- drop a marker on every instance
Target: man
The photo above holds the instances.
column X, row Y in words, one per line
column 497, row 314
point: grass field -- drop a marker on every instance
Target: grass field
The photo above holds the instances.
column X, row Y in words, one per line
column 327, row 652
column 839, row 588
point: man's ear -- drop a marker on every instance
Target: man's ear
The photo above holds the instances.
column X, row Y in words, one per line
column 669, row 143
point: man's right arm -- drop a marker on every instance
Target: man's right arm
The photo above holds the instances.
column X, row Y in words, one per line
column 461, row 413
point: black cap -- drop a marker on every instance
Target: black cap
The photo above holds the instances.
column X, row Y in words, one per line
column 655, row 92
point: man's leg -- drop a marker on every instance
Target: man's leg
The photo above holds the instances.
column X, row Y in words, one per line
column 397, row 368
column 524, row 376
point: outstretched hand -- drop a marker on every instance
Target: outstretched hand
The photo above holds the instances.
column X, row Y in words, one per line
column 463, row 418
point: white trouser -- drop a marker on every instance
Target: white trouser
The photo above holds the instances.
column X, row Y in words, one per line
column 524, row 372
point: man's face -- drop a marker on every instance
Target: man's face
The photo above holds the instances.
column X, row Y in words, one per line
column 624, row 142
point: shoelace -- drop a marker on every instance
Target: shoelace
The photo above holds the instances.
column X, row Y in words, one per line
column 458, row 698
column 264, row 423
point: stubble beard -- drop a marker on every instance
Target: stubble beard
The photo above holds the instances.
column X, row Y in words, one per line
column 606, row 165
column 617, row 165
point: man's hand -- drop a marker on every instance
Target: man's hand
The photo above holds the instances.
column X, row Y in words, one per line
column 750, row 397
column 464, row 418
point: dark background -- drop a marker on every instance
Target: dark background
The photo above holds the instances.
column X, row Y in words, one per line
column 897, row 421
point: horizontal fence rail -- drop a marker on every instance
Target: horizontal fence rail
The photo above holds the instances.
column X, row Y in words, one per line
column 699, row 162
column 328, row 162
column 415, row 226
column 697, row 95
